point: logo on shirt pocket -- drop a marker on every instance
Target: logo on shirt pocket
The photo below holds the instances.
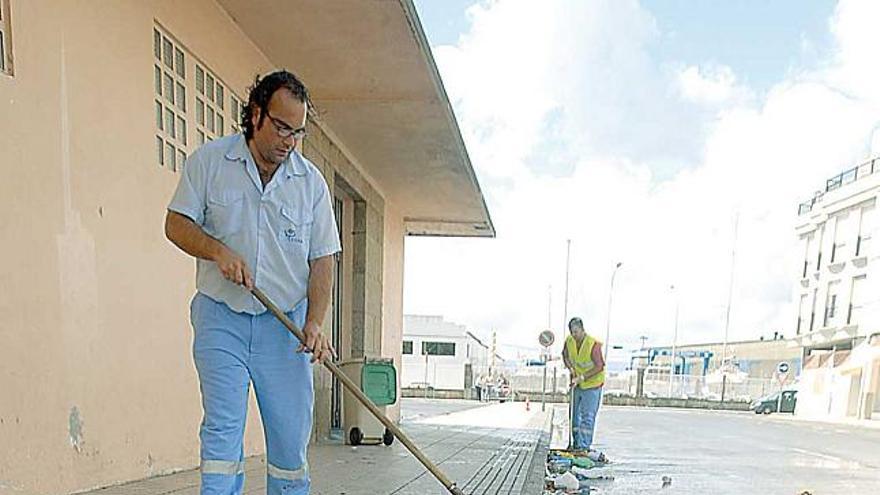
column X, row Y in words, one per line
column 294, row 230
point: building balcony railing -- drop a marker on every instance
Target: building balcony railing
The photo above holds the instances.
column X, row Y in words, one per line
column 846, row 177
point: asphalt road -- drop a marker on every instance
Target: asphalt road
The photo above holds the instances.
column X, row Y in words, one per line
column 414, row 409
column 733, row 453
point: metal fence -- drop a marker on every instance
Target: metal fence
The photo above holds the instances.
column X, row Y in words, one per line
column 531, row 380
column 655, row 385
column 701, row 387
column 846, row 177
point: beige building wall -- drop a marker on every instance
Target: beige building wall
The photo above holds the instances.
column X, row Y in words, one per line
column 96, row 367
column 392, row 309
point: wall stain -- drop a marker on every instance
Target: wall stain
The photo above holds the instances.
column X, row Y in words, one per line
column 75, row 429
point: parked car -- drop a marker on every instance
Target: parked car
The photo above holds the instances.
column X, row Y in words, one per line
column 775, row 403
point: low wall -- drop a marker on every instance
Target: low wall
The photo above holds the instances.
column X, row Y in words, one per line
column 609, row 400
column 435, row 393
column 615, row 400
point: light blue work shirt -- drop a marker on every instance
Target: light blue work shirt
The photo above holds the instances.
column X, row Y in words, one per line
column 276, row 230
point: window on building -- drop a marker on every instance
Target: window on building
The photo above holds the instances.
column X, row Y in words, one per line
column 438, row 348
column 169, row 90
column 803, row 313
column 407, row 347
column 5, row 38
column 809, row 246
column 866, row 230
column 842, row 232
column 819, row 239
column 856, row 301
column 235, row 108
column 831, row 303
column 813, row 309
column 213, row 113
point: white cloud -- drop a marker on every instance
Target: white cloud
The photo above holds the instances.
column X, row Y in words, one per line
column 577, row 133
column 713, row 85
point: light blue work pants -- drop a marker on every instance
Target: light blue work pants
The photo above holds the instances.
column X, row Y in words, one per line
column 231, row 351
column 585, row 409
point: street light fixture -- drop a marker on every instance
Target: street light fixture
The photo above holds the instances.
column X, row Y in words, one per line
column 608, row 314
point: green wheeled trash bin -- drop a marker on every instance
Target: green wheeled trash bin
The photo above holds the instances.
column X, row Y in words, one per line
column 377, row 379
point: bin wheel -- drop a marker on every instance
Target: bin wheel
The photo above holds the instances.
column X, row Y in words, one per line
column 388, row 437
column 355, row 436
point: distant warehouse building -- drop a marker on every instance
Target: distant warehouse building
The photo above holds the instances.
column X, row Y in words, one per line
column 755, row 358
column 442, row 355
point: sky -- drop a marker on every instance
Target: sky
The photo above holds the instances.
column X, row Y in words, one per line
column 662, row 134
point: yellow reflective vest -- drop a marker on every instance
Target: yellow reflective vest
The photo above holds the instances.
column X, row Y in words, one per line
column 582, row 359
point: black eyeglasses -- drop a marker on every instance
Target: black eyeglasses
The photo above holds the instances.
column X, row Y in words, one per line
column 285, row 131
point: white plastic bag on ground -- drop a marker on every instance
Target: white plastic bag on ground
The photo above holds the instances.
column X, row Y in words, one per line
column 581, row 471
column 567, row 481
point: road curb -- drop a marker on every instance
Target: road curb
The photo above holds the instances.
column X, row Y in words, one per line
column 534, row 482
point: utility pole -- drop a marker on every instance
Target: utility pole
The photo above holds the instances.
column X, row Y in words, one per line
column 426, row 373
column 544, row 381
column 607, row 342
column 727, row 312
column 567, row 266
column 674, row 341
column 492, row 350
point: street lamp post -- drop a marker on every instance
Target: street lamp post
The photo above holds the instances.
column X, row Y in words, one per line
column 565, row 300
column 608, row 314
column 674, row 341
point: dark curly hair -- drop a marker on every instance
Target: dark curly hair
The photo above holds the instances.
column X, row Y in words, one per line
column 261, row 92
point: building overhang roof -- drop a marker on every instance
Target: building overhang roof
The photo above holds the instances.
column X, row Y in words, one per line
column 369, row 68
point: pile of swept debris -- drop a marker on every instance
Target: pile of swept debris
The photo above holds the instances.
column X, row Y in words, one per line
column 571, row 472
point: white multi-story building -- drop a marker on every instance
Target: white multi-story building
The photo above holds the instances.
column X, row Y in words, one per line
column 838, row 323
column 441, row 354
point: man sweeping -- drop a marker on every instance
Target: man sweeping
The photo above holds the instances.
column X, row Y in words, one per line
column 582, row 355
column 254, row 212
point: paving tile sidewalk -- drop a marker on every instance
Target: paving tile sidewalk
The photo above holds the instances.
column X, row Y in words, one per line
column 485, row 450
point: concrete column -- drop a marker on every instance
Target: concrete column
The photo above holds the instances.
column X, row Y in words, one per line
column 359, row 282
column 367, row 240
column 392, row 305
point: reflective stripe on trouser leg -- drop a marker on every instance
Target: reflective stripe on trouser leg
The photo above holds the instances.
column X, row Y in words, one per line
column 220, row 350
column 284, row 388
column 229, row 468
column 288, row 474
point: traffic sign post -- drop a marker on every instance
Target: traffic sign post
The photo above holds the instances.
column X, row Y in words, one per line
column 546, row 339
column 782, row 370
